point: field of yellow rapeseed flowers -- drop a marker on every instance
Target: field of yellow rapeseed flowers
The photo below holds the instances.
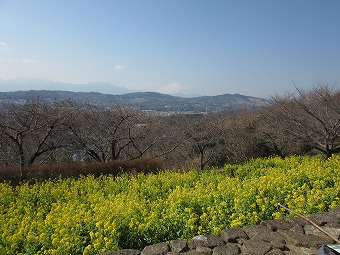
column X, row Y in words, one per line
column 90, row 215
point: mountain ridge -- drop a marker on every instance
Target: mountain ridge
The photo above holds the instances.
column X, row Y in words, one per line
column 151, row 101
column 19, row 84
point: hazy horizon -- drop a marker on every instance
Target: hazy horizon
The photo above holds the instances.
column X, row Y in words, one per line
column 37, row 84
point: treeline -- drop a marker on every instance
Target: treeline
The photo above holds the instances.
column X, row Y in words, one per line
column 38, row 133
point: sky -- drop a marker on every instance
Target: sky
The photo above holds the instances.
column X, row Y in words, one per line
column 255, row 48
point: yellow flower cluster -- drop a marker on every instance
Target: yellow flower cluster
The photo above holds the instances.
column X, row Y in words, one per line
column 91, row 215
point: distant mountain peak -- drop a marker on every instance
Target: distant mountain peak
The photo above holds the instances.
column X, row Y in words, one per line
column 25, row 84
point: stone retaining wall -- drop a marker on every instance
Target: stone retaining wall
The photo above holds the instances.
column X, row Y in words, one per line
column 272, row 237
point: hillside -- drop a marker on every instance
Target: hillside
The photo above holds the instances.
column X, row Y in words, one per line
column 143, row 100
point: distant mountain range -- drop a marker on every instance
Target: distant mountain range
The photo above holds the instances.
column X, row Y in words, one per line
column 112, row 96
column 143, row 100
column 45, row 84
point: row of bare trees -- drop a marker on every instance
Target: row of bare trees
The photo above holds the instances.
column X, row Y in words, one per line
column 37, row 132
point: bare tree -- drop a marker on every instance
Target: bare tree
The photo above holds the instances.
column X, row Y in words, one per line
column 203, row 137
column 271, row 131
column 310, row 118
column 102, row 133
column 154, row 136
column 31, row 130
column 108, row 134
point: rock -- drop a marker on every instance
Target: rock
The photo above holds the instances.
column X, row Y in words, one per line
column 297, row 221
column 232, row 234
column 214, row 241
column 279, row 245
column 322, row 218
column 173, row 253
column 312, row 230
column 179, row 246
column 332, row 225
column 302, row 240
column 122, row 252
column 240, row 241
column 253, row 230
column 156, row 249
column 294, row 250
column 298, row 229
column 262, row 233
column 275, row 252
column 274, row 225
column 257, row 247
column 229, row 249
column 195, row 252
column 335, row 212
column 198, row 241
column 203, row 250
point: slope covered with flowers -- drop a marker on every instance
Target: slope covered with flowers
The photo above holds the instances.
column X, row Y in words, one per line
column 90, row 215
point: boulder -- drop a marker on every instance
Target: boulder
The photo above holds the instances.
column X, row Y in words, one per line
column 179, row 246
column 229, row 249
column 262, row 233
column 156, row 249
column 274, row 225
column 312, row 230
column 256, row 247
column 302, row 240
column 122, row 252
column 232, row 234
column 215, row 240
column 197, row 241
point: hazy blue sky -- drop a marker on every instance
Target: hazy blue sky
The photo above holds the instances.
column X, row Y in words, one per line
column 211, row 47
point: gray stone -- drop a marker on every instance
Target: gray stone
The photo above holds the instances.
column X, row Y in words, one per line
column 302, row 240
column 253, row 230
column 241, row 241
column 262, row 233
column 312, row 230
column 156, row 249
column 195, row 252
column 257, row 247
column 298, row 229
column 232, row 234
column 275, row 252
column 198, row 241
column 173, row 253
column 274, row 225
column 122, row 252
column 294, row 250
column 204, row 250
column 335, row 212
column 322, row 218
column 179, row 246
column 297, row 221
column 229, row 249
column 279, row 245
column 214, row 241
column 275, row 239
column 332, row 225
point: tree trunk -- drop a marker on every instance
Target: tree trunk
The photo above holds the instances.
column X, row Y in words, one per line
column 23, row 174
column 328, row 152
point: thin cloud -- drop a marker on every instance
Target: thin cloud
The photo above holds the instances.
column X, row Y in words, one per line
column 171, row 88
column 3, row 47
column 119, row 68
column 28, row 61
